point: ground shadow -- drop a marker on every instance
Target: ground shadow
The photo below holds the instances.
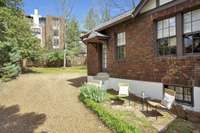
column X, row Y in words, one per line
column 117, row 101
column 152, row 113
column 77, row 82
column 29, row 71
column 11, row 121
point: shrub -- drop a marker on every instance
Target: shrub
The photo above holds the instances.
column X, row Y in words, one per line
column 9, row 61
column 113, row 122
column 55, row 59
column 10, row 71
column 94, row 93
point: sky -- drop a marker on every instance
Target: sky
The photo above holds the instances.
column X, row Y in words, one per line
column 79, row 8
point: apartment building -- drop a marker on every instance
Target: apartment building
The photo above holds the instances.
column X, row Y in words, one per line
column 50, row 30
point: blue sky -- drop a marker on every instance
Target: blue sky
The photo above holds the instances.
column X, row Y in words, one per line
column 80, row 7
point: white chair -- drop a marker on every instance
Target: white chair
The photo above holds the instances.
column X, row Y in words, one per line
column 124, row 91
column 167, row 101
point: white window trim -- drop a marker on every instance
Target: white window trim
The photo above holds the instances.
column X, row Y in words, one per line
column 162, row 24
column 121, row 39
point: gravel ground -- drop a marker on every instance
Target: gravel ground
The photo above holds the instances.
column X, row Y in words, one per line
column 46, row 103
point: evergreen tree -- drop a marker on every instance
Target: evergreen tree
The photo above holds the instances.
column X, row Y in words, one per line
column 16, row 39
column 91, row 20
column 73, row 38
column 10, row 58
column 105, row 14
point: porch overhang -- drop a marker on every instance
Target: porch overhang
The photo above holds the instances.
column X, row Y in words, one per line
column 95, row 37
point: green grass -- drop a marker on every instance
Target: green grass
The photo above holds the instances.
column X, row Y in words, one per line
column 145, row 125
column 113, row 122
column 74, row 69
column 182, row 126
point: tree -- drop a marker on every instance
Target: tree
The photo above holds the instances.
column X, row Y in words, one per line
column 73, row 38
column 92, row 19
column 105, row 14
column 17, row 40
column 66, row 9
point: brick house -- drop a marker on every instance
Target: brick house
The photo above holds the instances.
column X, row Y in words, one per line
column 153, row 47
column 50, row 30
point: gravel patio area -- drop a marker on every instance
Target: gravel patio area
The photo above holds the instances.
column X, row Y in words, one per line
column 46, row 103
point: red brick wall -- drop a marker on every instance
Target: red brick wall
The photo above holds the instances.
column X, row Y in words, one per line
column 141, row 62
column 93, row 56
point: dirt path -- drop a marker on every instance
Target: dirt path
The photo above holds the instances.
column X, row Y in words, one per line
column 45, row 104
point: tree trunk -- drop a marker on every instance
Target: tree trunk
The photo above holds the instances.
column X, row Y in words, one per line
column 24, row 64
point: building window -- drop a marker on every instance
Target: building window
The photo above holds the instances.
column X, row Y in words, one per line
column 55, row 32
column 162, row 2
column 184, row 95
column 192, row 32
column 121, row 42
column 56, row 23
column 166, row 36
column 55, row 43
column 36, row 31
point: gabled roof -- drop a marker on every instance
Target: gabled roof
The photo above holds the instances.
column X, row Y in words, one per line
column 125, row 16
column 95, row 36
column 121, row 18
column 139, row 7
column 114, row 21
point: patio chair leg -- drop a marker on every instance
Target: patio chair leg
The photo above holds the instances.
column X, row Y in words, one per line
column 156, row 114
column 147, row 107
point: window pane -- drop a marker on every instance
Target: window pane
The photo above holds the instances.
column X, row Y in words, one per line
column 172, row 45
column 160, row 34
column 166, row 23
column 196, row 26
column 179, row 93
column 187, row 17
column 188, row 94
column 166, row 33
column 121, row 40
column 196, row 15
column 163, row 47
column 120, row 52
column 187, row 28
column 172, row 41
column 167, row 46
column 172, row 31
column 188, row 42
column 172, row 22
column 162, row 2
column 56, row 33
column 196, row 43
column 159, row 25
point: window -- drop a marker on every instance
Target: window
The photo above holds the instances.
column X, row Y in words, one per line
column 162, row 2
column 192, row 32
column 56, row 32
column 55, row 43
column 36, row 31
column 56, row 23
column 121, row 42
column 166, row 36
column 183, row 94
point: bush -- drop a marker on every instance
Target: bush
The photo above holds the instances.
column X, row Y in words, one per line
column 116, row 124
column 92, row 92
column 55, row 59
column 10, row 71
column 9, row 61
